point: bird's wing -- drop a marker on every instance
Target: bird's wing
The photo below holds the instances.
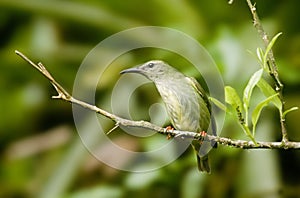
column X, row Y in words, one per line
column 200, row 91
column 203, row 95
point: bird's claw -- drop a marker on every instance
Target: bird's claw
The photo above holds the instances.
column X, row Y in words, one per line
column 202, row 136
column 169, row 128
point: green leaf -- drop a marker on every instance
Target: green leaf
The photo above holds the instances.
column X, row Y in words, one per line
column 256, row 112
column 249, row 88
column 289, row 110
column 218, row 103
column 232, row 98
column 260, row 55
column 269, row 47
column 268, row 91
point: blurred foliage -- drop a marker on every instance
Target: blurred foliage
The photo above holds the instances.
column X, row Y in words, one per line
column 41, row 153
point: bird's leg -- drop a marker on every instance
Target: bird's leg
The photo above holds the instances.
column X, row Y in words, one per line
column 202, row 136
column 169, row 128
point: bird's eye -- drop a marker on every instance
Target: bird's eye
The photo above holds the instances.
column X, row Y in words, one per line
column 150, row 65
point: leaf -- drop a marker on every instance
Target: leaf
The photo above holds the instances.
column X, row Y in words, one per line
column 268, row 91
column 260, row 54
column 257, row 110
column 269, row 47
column 249, row 88
column 232, row 98
column 289, row 110
column 218, row 103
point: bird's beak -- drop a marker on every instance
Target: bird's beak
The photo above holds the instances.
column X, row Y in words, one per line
column 131, row 70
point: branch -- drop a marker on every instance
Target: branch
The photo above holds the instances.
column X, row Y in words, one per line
column 257, row 24
column 64, row 95
column 272, row 66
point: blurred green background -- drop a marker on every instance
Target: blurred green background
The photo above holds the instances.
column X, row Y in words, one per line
column 41, row 152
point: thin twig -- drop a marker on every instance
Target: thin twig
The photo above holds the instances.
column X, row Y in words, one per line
column 271, row 65
column 257, row 24
column 64, row 95
column 112, row 129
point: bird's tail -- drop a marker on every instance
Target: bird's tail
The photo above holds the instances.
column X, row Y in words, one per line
column 201, row 150
column 203, row 163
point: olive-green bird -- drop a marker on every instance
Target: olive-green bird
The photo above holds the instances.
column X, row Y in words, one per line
column 186, row 103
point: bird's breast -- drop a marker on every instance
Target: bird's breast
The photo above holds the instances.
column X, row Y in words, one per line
column 182, row 104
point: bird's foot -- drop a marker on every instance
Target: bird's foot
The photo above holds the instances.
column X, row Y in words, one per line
column 202, row 136
column 169, row 128
column 203, row 133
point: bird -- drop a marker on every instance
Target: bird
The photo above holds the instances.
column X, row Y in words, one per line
column 186, row 103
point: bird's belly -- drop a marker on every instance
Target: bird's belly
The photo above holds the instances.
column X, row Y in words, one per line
column 184, row 113
column 186, row 124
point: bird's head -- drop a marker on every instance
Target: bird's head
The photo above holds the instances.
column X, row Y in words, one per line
column 154, row 70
